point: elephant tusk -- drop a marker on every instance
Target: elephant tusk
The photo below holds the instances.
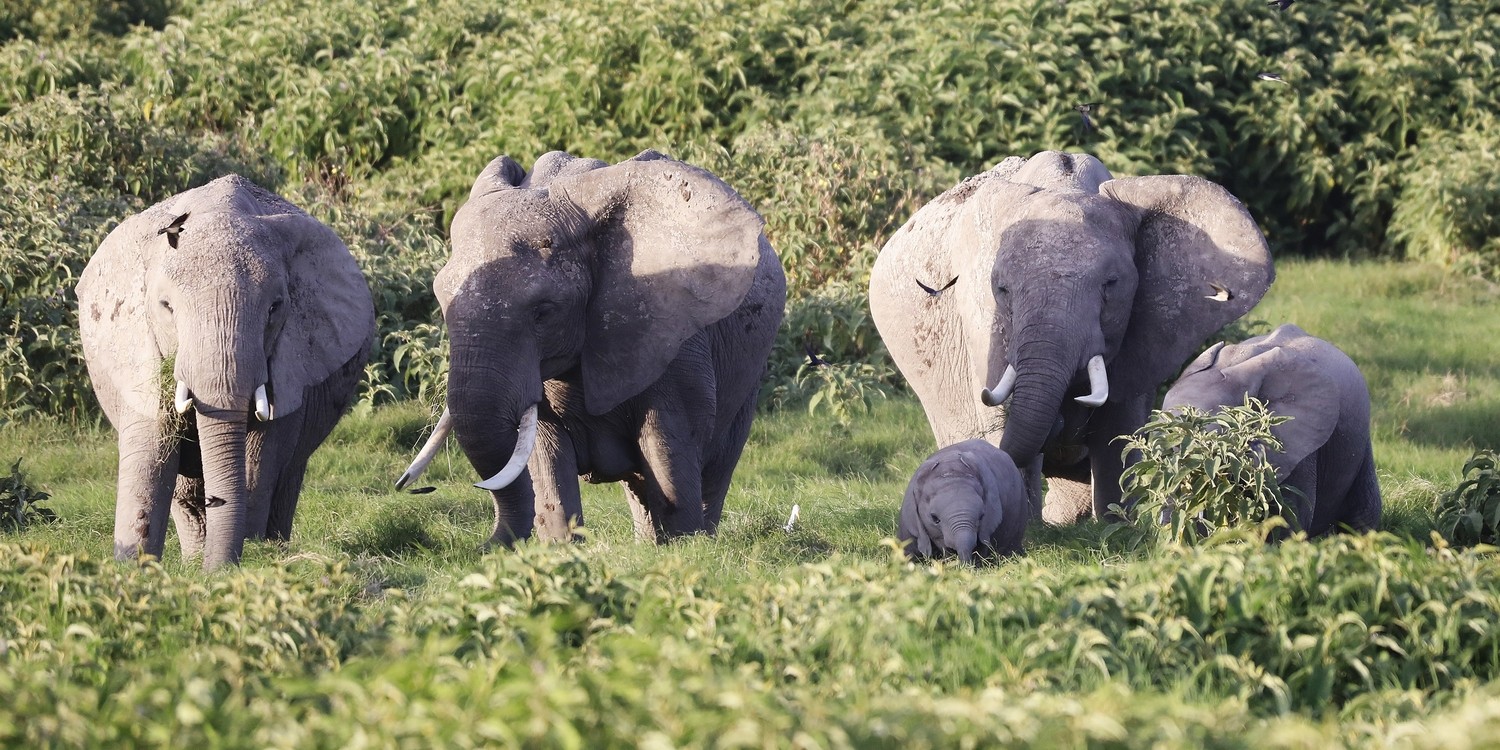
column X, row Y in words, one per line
column 264, row 411
column 183, row 400
column 429, row 450
column 1098, row 383
column 525, row 441
column 1001, row 391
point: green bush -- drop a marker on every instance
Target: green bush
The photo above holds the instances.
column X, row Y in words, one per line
column 1201, row 474
column 1449, row 210
column 20, row 503
column 55, row 19
column 1470, row 513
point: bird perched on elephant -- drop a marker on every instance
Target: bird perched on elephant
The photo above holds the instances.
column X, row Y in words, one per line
column 225, row 331
column 968, row 499
column 1073, row 296
column 1326, row 452
column 610, row 322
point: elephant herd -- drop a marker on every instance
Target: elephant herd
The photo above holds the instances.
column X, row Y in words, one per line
column 613, row 323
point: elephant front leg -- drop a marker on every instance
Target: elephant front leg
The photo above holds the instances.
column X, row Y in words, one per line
column 514, row 511
column 143, row 492
column 554, row 470
column 670, row 444
column 1110, row 422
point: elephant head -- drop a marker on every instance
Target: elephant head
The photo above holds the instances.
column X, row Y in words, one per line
column 594, row 271
column 959, row 499
column 1283, row 370
column 251, row 300
column 1073, row 295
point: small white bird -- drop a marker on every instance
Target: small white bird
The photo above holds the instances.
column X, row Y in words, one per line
column 793, row 520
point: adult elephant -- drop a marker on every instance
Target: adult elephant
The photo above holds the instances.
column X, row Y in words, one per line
column 230, row 302
column 617, row 320
column 1071, row 294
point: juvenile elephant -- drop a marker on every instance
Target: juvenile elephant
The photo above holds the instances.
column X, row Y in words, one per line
column 968, row 498
column 1072, row 295
column 618, row 319
column 227, row 301
column 1327, row 452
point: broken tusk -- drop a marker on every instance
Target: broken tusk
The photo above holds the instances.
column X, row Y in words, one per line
column 264, row 411
column 183, row 400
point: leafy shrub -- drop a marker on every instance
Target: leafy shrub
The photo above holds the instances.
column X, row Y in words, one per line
column 1202, row 473
column 1449, row 211
column 54, row 19
column 1470, row 513
column 20, row 503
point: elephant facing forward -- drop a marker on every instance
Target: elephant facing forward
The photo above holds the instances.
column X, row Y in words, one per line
column 228, row 302
column 1327, row 455
column 610, row 322
column 1039, row 305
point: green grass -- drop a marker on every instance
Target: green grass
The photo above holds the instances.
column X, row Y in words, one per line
column 383, row 622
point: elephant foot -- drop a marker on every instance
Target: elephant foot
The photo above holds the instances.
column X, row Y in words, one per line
column 1068, row 501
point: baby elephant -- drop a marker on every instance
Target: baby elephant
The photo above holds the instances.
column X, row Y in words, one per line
column 1327, row 454
column 968, row 498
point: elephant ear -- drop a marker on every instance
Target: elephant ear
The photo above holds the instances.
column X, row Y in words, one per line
column 675, row 250
column 1203, row 263
column 911, row 528
column 1306, row 394
column 330, row 315
column 982, row 463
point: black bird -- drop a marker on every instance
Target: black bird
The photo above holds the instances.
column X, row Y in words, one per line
column 1280, row 5
column 172, row 230
column 421, row 490
column 935, row 292
column 1083, row 110
column 812, row 356
column 1266, row 75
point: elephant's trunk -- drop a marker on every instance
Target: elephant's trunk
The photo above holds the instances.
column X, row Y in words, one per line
column 490, row 395
column 1045, row 368
column 962, row 536
column 222, row 444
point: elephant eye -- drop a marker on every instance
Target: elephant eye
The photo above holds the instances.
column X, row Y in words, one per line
column 935, row 519
column 275, row 306
column 1111, row 281
column 542, row 311
column 166, row 305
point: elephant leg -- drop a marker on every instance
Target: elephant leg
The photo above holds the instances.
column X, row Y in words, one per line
column 283, row 501
column 1069, row 500
column 1107, row 466
column 514, row 511
column 1300, row 489
column 645, row 517
column 720, row 469
column 294, row 438
column 1362, row 505
column 1032, row 475
column 189, row 516
column 554, row 474
column 143, row 492
column 674, row 474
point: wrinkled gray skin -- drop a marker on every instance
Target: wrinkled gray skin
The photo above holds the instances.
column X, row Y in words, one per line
column 1057, row 263
column 1327, row 452
column 635, row 305
column 257, row 293
column 967, row 498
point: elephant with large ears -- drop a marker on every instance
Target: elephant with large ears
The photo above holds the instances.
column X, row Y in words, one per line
column 1040, row 304
column 605, row 321
column 1326, row 455
column 225, row 331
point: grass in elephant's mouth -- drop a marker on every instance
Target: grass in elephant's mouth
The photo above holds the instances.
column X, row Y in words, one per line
column 384, row 604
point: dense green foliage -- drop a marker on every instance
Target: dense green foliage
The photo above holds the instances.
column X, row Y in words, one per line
column 837, row 120
column 1204, row 473
column 1470, row 513
column 21, row 503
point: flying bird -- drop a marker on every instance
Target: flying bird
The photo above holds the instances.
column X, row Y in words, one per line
column 1269, row 76
column 1083, row 111
column 790, row 522
column 421, row 490
column 812, row 356
column 935, row 292
column 173, row 230
column 1280, row 5
column 1221, row 292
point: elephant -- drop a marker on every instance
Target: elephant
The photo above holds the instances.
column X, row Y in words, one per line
column 968, row 498
column 1327, row 455
column 1071, row 294
column 228, row 301
column 608, row 322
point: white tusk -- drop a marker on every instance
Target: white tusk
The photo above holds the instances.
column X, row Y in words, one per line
column 1001, row 391
column 1098, row 383
column 264, row 411
column 429, row 450
column 183, row 400
column 525, row 441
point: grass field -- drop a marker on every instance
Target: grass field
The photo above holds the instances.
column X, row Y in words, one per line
column 382, row 623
